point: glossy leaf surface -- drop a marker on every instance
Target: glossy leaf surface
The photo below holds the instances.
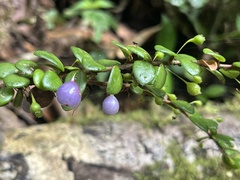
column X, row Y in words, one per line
column 86, row 60
column 188, row 63
column 26, row 67
column 16, row 81
column 230, row 73
column 160, row 77
column 6, row 95
column 108, row 62
column 115, row 81
column 51, row 58
column 143, row 72
column 51, row 81
column 11, row 69
column 164, row 50
column 140, row 52
column 38, row 75
column 123, row 48
column 214, row 54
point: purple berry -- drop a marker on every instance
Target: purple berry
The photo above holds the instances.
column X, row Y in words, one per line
column 110, row 105
column 68, row 94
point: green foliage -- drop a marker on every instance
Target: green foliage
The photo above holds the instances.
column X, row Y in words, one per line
column 144, row 77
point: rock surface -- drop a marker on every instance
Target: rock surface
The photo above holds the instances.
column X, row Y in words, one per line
column 106, row 150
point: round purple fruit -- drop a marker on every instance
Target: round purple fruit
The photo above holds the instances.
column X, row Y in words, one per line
column 110, row 105
column 68, row 94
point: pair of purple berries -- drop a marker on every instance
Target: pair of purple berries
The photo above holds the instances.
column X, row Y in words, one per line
column 68, row 94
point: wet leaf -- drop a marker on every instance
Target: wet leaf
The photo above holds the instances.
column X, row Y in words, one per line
column 183, row 105
column 51, row 81
column 140, row 52
column 6, row 69
column 115, row 81
column 143, row 72
column 6, row 95
column 188, row 63
column 86, row 60
column 16, row 81
column 51, row 58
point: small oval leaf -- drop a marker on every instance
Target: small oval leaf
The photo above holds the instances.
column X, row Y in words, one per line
column 6, row 95
column 16, row 81
column 86, row 60
column 136, row 89
column 143, row 72
column 51, row 81
column 188, row 63
column 164, row 50
column 108, row 62
column 125, row 50
column 51, row 58
column 214, row 54
column 232, row 74
column 115, row 81
column 26, row 68
column 219, row 75
column 11, row 69
column 140, row 52
column 38, row 75
column 160, row 77
column 183, row 105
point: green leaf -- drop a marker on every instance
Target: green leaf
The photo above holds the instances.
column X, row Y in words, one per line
column 214, row 54
column 232, row 74
column 219, row 75
column 51, row 58
column 86, row 60
column 140, row 52
column 188, row 63
column 51, row 81
column 143, row 72
column 125, row 50
column 160, row 77
column 215, row 91
column 183, row 105
column 26, row 68
column 202, row 123
column 38, row 75
column 108, row 62
column 16, row 81
column 136, row 89
column 17, row 101
column 164, row 50
column 115, row 81
column 224, row 140
column 155, row 91
column 236, row 64
column 167, row 34
column 6, row 95
column 79, row 77
column 6, row 69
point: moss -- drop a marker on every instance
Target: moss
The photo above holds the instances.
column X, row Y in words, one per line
column 201, row 168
